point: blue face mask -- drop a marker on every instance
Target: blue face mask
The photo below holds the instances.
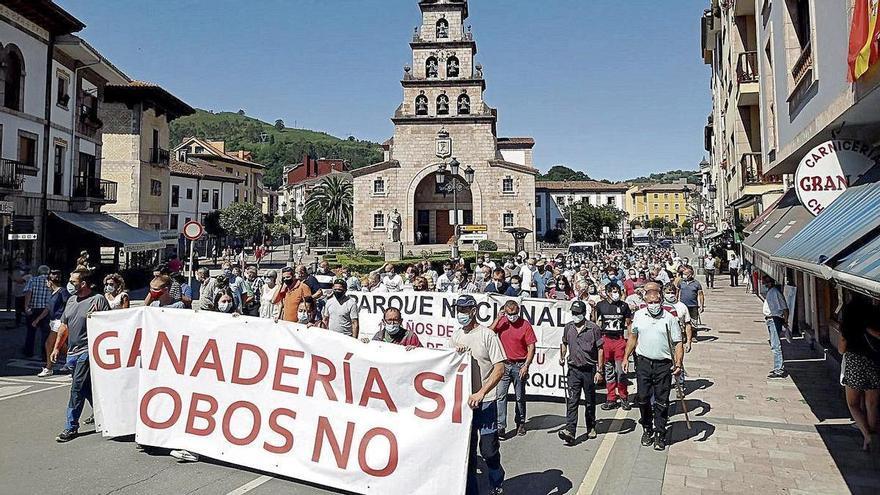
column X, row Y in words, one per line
column 71, row 289
column 463, row 318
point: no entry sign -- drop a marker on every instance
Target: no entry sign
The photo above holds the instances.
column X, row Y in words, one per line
column 193, row 230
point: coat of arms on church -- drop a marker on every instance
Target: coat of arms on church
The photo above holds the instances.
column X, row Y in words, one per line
column 444, row 144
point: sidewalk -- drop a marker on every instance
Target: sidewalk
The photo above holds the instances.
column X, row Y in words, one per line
column 755, row 435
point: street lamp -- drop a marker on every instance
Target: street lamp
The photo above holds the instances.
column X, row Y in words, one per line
column 570, row 206
column 454, row 186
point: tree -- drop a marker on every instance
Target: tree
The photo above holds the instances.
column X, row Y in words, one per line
column 334, row 198
column 561, row 172
column 279, row 125
column 659, row 223
column 242, row 220
column 241, row 112
column 587, row 221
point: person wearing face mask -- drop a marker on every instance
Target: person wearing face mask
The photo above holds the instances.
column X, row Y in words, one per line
column 341, row 311
column 611, row 277
column 527, row 277
column 268, row 293
column 306, row 313
column 629, row 285
column 207, row 287
column 462, row 284
column 234, row 282
column 160, row 293
column 540, row 278
column 680, row 311
column 292, row 293
column 562, row 290
column 487, row 261
column 733, row 268
column 251, row 287
column 690, row 292
column 114, row 291
column 445, row 282
column 515, row 288
column 657, row 363
column 581, row 349
column 420, row 284
column 73, row 333
column 487, row 358
column 497, row 285
column 392, row 331
column 224, row 302
column 614, row 316
column 518, row 341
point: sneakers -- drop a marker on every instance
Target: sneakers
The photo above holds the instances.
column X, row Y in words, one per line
column 659, row 441
column 521, row 431
column 90, row 420
column 184, row 456
column 591, row 433
column 777, row 374
column 497, row 491
column 625, row 404
column 647, row 438
column 45, row 372
column 609, row 405
column 66, row 436
column 502, row 434
column 567, row 437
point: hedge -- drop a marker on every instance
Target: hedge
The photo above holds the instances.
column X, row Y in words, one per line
column 368, row 263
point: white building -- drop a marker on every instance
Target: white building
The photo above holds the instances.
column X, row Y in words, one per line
column 551, row 197
column 197, row 189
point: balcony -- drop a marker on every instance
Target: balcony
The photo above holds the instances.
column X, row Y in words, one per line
column 748, row 86
column 752, row 168
column 94, row 189
column 803, row 66
column 10, row 176
column 159, row 156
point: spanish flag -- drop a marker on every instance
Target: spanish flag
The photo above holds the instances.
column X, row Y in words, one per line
column 864, row 38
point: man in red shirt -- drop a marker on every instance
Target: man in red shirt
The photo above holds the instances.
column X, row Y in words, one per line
column 518, row 341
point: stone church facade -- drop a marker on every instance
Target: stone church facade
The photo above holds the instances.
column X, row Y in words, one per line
column 443, row 108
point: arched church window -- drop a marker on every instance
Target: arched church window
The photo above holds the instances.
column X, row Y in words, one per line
column 442, row 105
column 442, row 28
column 12, row 68
column 464, row 104
column 431, row 67
column 421, row 105
column 452, row 66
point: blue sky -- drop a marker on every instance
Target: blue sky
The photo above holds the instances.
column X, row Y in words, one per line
column 614, row 88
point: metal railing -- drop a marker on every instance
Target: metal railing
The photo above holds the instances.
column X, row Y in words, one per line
column 94, row 188
column 159, row 155
column 752, row 166
column 10, row 178
column 747, row 67
column 803, row 64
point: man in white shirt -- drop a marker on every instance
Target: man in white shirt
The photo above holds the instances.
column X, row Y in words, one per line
column 446, row 280
column 709, row 270
column 733, row 267
column 776, row 315
column 526, row 274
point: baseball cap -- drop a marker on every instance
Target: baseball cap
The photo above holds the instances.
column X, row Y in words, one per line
column 466, row 301
column 578, row 307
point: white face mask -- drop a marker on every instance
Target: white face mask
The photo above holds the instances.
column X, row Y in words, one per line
column 224, row 306
column 302, row 316
column 615, row 296
column 654, row 309
column 512, row 318
column 392, row 328
column 515, row 286
column 670, row 298
column 577, row 319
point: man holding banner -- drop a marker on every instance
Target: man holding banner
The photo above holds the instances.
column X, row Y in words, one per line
column 487, row 365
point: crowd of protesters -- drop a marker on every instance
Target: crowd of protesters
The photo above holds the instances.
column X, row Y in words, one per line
column 626, row 307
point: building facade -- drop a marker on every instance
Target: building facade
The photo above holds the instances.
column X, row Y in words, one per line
column 197, row 188
column 670, row 202
column 443, row 116
column 734, row 129
column 238, row 163
column 298, row 181
column 552, row 197
column 137, row 117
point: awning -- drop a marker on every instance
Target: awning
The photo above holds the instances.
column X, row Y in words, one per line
column 754, row 224
column 860, row 270
column 772, row 217
column 850, row 219
column 713, row 235
column 793, row 220
column 119, row 233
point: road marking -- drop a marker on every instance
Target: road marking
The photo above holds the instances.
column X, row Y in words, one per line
column 13, row 389
column 33, row 381
column 34, row 392
column 250, row 485
column 591, row 479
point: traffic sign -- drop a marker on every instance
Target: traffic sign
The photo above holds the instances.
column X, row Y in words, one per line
column 193, row 230
column 7, row 207
column 474, row 237
column 22, row 237
column 474, row 228
column 700, row 227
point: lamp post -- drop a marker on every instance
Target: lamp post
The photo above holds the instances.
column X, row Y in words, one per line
column 570, row 229
column 454, row 186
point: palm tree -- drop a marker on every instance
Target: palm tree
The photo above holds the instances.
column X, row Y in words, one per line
column 333, row 197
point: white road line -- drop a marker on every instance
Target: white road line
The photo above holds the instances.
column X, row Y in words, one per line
column 250, row 485
column 33, row 392
column 591, row 479
column 34, row 381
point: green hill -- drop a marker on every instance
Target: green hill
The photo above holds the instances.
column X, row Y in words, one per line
column 273, row 145
column 667, row 177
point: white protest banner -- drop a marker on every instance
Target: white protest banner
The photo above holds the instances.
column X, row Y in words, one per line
column 305, row 403
column 431, row 315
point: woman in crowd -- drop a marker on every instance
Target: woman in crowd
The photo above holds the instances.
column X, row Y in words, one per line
column 860, row 346
column 114, row 291
column 224, row 301
column 562, row 291
column 268, row 294
column 57, row 302
column 420, row 284
column 306, row 313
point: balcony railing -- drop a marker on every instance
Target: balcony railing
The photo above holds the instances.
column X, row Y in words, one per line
column 747, row 67
column 94, row 189
column 159, row 156
column 10, row 177
column 803, row 64
column 752, row 167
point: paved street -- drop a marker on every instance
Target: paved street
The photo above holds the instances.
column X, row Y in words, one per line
column 749, row 434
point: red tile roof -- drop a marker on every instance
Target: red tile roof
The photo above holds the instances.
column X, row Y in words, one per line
column 579, row 185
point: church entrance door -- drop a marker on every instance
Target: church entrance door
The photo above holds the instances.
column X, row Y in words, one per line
column 433, row 211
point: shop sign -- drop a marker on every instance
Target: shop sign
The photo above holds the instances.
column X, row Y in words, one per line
column 829, row 168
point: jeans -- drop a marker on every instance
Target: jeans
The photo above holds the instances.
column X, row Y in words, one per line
column 774, row 325
column 580, row 380
column 80, row 389
column 484, row 434
column 615, row 379
column 710, row 277
column 511, row 375
column 654, row 379
column 42, row 327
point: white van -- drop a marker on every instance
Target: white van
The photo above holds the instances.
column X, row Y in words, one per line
column 583, row 247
